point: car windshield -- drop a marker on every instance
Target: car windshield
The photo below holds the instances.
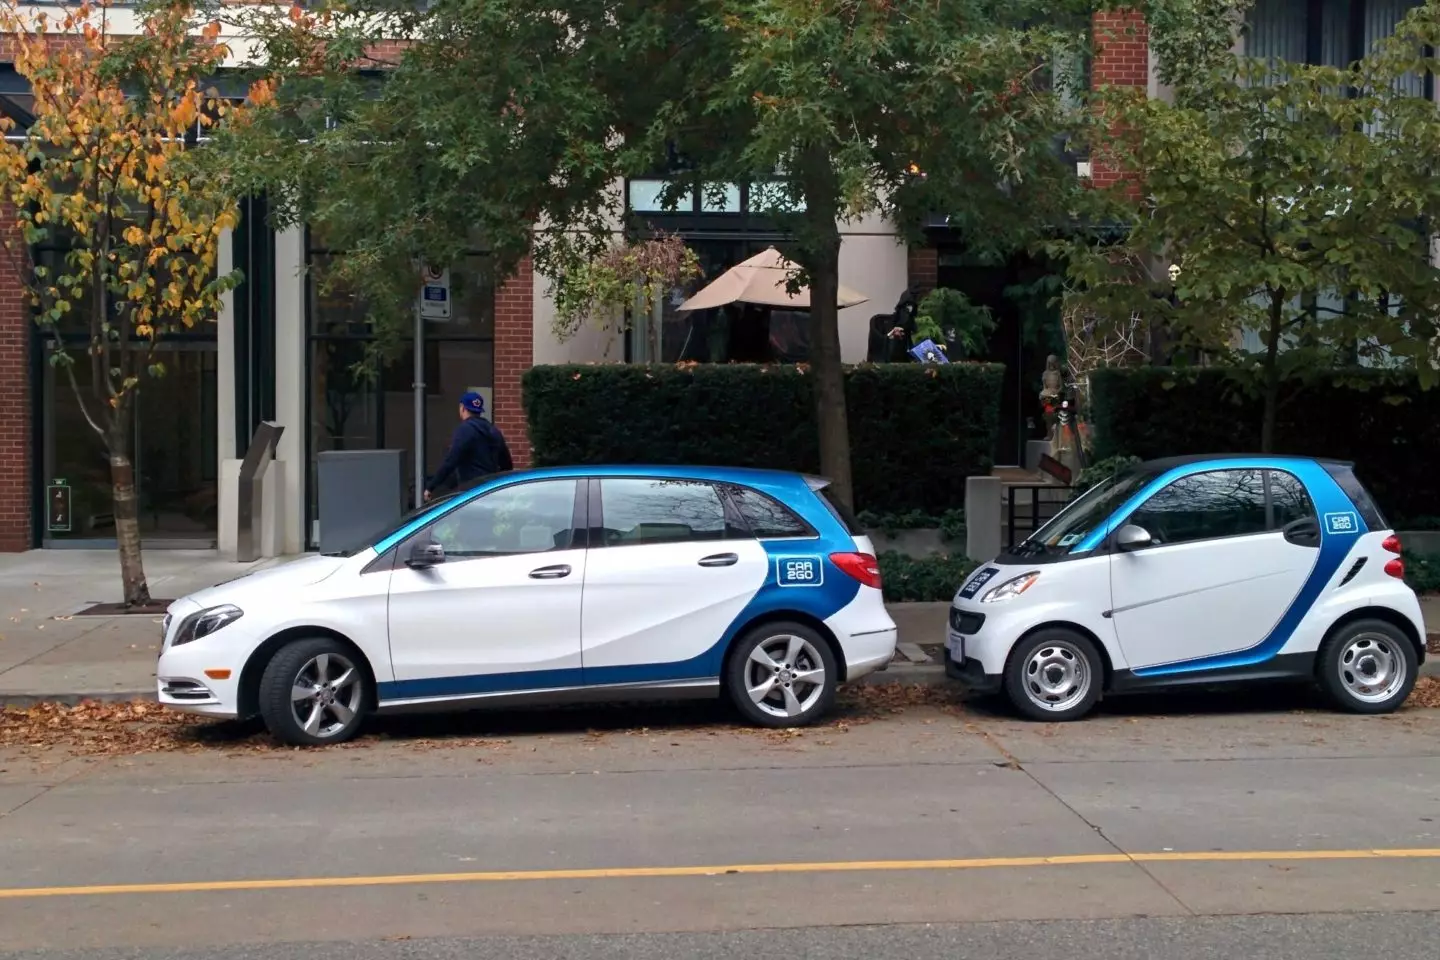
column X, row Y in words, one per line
column 1083, row 515
column 370, row 540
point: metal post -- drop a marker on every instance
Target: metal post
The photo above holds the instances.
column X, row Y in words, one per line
column 252, row 469
column 419, row 408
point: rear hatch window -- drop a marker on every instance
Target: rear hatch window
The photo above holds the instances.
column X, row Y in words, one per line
column 1344, row 475
column 837, row 509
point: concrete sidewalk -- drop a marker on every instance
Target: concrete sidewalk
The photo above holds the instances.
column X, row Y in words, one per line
column 48, row 653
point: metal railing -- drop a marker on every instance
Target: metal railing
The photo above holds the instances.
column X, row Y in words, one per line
column 252, row 468
column 1030, row 506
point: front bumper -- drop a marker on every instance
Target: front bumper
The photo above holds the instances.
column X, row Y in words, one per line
column 972, row 674
column 200, row 677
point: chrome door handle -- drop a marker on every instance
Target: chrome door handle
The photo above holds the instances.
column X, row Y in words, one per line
column 720, row 560
column 550, row 573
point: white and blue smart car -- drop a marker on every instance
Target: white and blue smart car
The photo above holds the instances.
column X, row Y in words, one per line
column 553, row 585
column 1199, row 570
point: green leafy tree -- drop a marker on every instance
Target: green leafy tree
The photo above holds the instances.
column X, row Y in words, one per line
column 510, row 122
column 1294, row 203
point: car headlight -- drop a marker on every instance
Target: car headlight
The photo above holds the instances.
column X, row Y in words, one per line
column 1011, row 589
column 206, row 622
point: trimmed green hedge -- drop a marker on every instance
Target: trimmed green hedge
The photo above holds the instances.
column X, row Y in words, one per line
column 1381, row 420
column 916, row 431
column 922, row 579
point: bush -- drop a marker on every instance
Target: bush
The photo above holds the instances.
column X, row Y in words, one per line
column 951, row 523
column 922, row 580
column 916, row 431
column 1422, row 572
column 1379, row 419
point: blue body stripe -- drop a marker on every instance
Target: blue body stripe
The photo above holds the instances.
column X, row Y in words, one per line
column 1336, row 544
column 820, row 602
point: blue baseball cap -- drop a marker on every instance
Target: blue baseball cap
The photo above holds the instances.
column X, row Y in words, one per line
column 472, row 401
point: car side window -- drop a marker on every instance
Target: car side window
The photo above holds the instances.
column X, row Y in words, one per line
column 768, row 518
column 1289, row 499
column 1206, row 506
column 650, row 511
column 522, row 518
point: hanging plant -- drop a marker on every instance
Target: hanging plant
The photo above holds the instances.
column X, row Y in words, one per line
column 626, row 279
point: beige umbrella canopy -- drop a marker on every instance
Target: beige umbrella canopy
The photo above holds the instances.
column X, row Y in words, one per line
column 762, row 280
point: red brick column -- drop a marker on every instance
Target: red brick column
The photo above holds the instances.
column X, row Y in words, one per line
column 1122, row 59
column 924, row 268
column 514, row 354
column 16, row 496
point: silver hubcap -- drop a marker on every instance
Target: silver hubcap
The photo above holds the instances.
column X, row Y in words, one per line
column 1057, row 676
column 326, row 695
column 1371, row 668
column 785, row 676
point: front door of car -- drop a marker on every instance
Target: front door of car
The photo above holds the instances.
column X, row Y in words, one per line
column 1224, row 564
column 496, row 606
column 668, row 573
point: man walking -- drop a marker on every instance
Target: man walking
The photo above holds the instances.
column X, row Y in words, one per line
column 477, row 448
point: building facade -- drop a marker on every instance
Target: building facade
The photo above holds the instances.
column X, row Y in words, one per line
column 282, row 349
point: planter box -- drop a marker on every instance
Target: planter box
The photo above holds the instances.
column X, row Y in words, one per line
column 919, row 543
column 1420, row 541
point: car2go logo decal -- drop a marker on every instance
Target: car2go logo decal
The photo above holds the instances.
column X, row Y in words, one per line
column 801, row 571
column 976, row 582
column 1341, row 524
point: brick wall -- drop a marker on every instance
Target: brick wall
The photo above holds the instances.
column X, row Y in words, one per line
column 514, row 354
column 1122, row 59
column 15, row 423
column 924, row 268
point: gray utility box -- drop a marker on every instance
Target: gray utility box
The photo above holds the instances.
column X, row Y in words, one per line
column 358, row 493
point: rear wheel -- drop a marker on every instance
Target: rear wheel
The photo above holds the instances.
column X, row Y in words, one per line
column 314, row 692
column 782, row 675
column 1054, row 674
column 1368, row 666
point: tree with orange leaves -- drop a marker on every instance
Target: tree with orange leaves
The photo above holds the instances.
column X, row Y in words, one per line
column 105, row 171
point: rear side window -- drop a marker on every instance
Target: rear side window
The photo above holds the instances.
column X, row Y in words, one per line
column 646, row 511
column 1364, row 503
column 768, row 518
column 838, row 510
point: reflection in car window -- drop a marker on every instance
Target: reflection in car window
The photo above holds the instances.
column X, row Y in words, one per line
column 523, row 518
column 1204, row 506
column 769, row 519
column 1289, row 498
column 661, row 511
column 1083, row 515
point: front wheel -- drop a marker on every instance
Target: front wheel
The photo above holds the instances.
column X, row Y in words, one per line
column 314, row 693
column 1055, row 675
column 782, row 675
column 1368, row 666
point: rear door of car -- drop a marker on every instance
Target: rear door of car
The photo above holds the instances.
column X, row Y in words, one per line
column 671, row 566
column 1233, row 548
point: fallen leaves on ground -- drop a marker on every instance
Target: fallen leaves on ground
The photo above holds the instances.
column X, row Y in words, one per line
column 1427, row 693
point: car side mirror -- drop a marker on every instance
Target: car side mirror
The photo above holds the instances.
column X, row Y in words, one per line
column 425, row 554
column 1132, row 537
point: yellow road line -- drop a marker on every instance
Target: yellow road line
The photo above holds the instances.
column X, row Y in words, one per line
column 625, row 873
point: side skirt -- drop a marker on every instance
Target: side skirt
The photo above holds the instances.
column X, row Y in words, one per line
column 1289, row 666
column 561, row 696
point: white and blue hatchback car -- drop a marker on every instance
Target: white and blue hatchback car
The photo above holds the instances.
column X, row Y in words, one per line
column 553, row 585
column 1201, row 570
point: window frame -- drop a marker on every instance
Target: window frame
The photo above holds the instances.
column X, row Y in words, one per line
column 735, row 526
column 579, row 533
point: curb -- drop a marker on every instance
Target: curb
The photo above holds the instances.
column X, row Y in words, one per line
column 22, row 701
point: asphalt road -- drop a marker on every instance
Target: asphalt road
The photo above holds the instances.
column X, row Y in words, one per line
column 913, row 835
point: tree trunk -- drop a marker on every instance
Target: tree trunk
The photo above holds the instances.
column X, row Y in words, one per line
column 1271, row 372
column 127, row 514
column 820, row 243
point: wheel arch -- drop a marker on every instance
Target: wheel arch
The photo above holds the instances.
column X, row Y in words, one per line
column 1386, row 615
column 780, row 616
column 1106, row 663
column 248, row 692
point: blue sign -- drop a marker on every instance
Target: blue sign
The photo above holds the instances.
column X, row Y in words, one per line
column 799, row 571
column 977, row 581
column 1342, row 524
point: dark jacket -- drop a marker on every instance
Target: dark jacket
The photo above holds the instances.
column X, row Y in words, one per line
column 477, row 449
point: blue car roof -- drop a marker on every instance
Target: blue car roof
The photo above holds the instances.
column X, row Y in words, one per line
column 1167, row 463
column 746, row 475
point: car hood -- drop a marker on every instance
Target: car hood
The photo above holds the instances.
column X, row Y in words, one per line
column 271, row 581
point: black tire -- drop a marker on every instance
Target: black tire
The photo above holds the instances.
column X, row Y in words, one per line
column 1054, row 675
column 744, row 671
column 1363, row 650
column 343, row 703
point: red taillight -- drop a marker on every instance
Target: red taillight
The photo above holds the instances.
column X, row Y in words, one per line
column 860, row 566
column 1396, row 568
column 1392, row 544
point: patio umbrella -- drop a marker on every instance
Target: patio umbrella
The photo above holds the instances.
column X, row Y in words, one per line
column 762, row 280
